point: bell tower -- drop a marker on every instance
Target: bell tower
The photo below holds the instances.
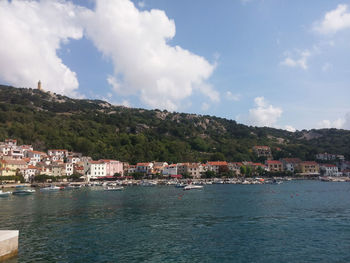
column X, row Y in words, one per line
column 39, row 86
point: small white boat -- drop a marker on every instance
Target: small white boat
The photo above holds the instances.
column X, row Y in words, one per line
column 180, row 185
column 23, row 192
column 148, row 183
column 192, row 187
column 4, row 194
column 113, row 188
column 51, row 188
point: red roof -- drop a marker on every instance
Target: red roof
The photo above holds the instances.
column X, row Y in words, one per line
column 328, row 165
column 218, row 163
column 273, row 162
column 309, row 163
column 142, row 164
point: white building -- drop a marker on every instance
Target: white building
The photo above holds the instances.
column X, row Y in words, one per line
column 95, row 169
column 170, row 170
column 329, row 170
column 69, row 168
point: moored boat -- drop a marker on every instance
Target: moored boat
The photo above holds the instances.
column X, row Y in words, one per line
column 4, row 194
column 51, row 188
column 113, row 188
column 193, row 187
column 23, row 192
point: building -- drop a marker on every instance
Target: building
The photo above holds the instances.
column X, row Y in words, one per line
column 218, row 166
column 274, row 166
column 263, row 151
column 113, row 167
column 57, row 154
column 95, row 169
column 144, row 168
column 12, row 167
column 329, row 170
column 170, row 170
column 309, row 167
column 35, row 156
column 291, row 164
column 235, row 167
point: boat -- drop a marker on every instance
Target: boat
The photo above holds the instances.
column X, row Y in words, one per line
column 51, row 188
column 192, row 187
column 23, row 192
column 4, row 194
column 148, row 183
column 180, row 185
column 113, row 188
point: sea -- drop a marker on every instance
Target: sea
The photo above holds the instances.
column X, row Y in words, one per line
column 297, row 221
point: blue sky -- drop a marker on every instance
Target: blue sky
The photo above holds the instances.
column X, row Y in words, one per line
column 275, row 63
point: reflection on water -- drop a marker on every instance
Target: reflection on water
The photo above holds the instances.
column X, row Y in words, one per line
column 293, row 222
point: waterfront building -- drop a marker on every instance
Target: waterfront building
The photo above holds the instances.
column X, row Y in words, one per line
column 309, row 167
column 35, row 156
column 95, row 169
column 274, row 166
column 291, row 164
column 144, row 168
column 329, row 170
column 235, row 167
column 170, row 170
column 218, row 166
column 12, row 167
column 113, row 167
column 30, row 172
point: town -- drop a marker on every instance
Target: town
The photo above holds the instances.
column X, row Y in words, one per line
column 22, row 161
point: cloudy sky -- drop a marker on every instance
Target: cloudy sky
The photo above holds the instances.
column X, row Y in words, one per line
column 276, row 63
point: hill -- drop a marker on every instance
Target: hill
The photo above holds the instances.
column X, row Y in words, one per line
column 102, row 130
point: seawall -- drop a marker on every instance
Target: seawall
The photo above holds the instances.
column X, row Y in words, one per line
column 8, row 244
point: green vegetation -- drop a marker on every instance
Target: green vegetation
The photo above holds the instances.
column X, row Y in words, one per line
column 101, row 130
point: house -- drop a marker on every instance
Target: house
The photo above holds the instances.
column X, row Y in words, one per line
column 274, row 166
column 30, row 172
column 57, row 154
column 144, row 168
column 182, row 168
column 329, row 170
column 35, row 156
column 131, row 169
column 235, row 167
column 73, row 159
column 11, row 167
column 329, row 157
column 290, row 164
column 58, row 170
column 69, row 168
column 113, row 167
column 309, row 167
column 170, row 170
column 263, row 151
column 194, row 170
column 95, row 169
column 218, row 166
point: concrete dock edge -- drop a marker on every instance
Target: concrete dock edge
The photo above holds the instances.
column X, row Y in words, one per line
column 8, row 244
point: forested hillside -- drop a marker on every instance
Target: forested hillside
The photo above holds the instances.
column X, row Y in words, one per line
column 101, row 130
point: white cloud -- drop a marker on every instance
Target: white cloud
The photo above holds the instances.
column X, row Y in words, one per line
column 333, row 21
column 32, row 33
column 232, row 97
column 289, row 128
column 340, row 123
column 145, row 64
column 297, row 62
column 264, row 114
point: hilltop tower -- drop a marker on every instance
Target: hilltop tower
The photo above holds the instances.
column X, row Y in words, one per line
column 39, row 86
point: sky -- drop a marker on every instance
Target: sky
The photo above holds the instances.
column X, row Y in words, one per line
column 275, row 63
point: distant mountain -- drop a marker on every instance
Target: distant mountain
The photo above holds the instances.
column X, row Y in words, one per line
column 102, row 130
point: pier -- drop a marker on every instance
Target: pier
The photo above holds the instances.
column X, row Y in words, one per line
column 8, row 244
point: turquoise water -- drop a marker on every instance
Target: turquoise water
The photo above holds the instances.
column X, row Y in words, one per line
column 302, row 221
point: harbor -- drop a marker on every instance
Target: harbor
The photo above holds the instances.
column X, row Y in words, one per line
column 164, row 223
